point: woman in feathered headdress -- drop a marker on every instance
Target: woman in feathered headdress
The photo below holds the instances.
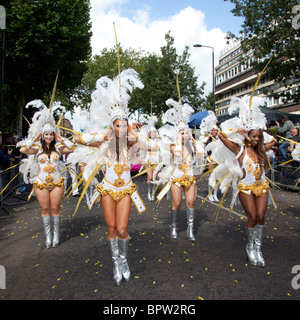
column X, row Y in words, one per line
column 115, row 150
column 241, row 153
column 178, row 149
column 151, row 157
column 209, row 135
column 44, row 145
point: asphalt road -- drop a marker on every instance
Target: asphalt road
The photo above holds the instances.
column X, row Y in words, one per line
column 212, row 268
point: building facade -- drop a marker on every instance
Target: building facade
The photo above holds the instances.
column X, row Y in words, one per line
column 234, row 78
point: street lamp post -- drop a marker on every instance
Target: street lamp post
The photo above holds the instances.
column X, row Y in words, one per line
column 213, row 69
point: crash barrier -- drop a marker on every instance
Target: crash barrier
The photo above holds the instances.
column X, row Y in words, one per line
column 285, row 175
column 15, row 191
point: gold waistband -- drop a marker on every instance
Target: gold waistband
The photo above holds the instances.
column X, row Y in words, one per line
column 49, row 185
column 257, row 188
column 185, row 181
column 117, row 195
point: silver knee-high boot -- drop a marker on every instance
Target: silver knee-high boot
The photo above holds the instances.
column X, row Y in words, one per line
column 173, row 223
column 47, row 230
column 215, row 194
column 123, row 252
column 190, row 224
column 149, row 192
column 250, row 246
column 152, row 192
column 211, row 196
column 114, row 252
column 258, row 239
column 56, row 225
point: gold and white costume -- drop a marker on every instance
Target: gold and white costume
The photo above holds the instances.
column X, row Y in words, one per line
column 117, row 183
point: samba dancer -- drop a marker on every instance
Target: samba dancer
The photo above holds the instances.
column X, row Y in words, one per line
column 44, row 146
column 179, row 148
column 115, row 151
column 241, row 153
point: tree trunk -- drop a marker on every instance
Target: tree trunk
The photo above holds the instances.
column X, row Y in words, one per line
column 19, row 115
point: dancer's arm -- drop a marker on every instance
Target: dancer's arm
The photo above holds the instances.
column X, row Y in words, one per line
column 142, row 142
column 234, row 147
column 27, row 147
column 93, row 139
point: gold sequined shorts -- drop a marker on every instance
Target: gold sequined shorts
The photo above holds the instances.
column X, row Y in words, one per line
column 50, row 185
column 185, row 181
column 258, row 188
column 115, row 193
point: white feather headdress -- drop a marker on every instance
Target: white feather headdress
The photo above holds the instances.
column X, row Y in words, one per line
column 208, row 123
column 179, row 115
column 111, row 97
column 149, row 123
column 251, row 116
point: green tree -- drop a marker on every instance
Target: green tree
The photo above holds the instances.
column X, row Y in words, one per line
column 41, row 37
column 106, row 64
column 159, row 77
column 268, row 30
column 157, row 72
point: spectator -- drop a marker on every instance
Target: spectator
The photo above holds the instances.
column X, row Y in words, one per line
column 285, row 130
column 295, row 138
column 4, row 157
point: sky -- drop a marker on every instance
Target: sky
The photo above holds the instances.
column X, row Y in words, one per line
column 142, row 24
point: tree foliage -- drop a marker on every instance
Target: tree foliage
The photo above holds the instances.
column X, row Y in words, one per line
column 41, row 37
column 157, row 72
column 268, row 30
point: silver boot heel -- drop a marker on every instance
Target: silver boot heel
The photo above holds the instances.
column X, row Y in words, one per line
column 56, row 225
column 250, row 246
column 123, row 252
column 47, row 230
column 114, row 251
column 149, row 192
column 153, row 192
column 190, row 224
column 258, row 238
column 173, row 223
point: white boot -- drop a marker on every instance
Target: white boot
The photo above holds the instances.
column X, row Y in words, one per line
column 211, row 196
column 215, row 194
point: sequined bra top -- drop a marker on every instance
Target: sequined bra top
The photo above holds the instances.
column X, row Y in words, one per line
column 252, row 170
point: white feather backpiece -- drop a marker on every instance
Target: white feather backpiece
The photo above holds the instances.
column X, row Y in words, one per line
column 208, row 123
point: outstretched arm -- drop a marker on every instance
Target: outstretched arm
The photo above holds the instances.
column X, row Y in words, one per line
column 235, row 148
column 93, row 139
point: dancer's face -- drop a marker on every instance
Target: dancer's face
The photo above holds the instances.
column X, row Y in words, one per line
column 184, row 135
column 254, row 137
column 214, row 132
column 48, row 137
column 120, row 127
column 152, row 135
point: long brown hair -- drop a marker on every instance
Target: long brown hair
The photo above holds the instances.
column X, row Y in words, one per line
column 117, row 144
column 260, row 150
column 51, row 148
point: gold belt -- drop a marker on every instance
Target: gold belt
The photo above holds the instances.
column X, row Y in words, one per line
column 257, row 188
column 117, row 195
column 185, row 181
column 49, row 185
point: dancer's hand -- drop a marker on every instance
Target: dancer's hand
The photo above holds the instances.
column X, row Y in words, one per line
column 132, row 136
column 38, row 137
column 108, row 134
column 58, row 137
